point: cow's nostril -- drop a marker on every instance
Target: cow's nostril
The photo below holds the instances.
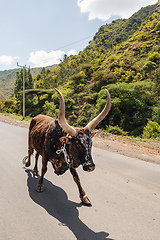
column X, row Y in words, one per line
column 91, row 168
column 88, row 168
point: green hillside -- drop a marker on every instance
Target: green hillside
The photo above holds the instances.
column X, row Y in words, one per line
column 8, row 78
column 124, row 57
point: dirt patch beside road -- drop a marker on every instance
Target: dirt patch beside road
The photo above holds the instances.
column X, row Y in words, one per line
column 135, row 148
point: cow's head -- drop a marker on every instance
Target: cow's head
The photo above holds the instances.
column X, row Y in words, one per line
column 79, row 143
column 79, row 149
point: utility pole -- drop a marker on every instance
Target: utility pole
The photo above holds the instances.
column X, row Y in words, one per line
column 24, row 67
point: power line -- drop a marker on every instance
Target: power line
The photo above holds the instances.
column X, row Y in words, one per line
column 65, row 46
column 73, row 43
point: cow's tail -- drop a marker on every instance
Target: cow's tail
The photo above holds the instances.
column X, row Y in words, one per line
column 30, row 148
column 25, row 159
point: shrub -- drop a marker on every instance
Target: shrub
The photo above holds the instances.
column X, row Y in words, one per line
column 1, row 106
column 154, row 57
column 152, row 130
column 156, row 113
column 7, row 106
column 116, row 130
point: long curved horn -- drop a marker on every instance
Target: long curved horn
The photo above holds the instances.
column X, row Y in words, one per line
column 61, row 116
column 91, row 125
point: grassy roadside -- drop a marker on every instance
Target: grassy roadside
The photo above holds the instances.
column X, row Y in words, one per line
column 16, row 117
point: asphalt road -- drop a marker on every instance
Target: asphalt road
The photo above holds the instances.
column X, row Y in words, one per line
column 125, row 195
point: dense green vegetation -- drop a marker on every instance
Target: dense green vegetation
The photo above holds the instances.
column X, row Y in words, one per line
column 124, row 57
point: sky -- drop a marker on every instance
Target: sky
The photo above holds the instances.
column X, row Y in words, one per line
column 38, row 33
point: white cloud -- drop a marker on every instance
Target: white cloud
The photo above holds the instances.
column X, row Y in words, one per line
column 104, row 9
column 6, row 60
column 71, row 52
column 43, row 59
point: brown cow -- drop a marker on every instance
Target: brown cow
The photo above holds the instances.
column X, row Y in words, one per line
column 64, row 146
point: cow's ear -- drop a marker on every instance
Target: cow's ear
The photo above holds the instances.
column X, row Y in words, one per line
column 92, row 134
column 65, row 140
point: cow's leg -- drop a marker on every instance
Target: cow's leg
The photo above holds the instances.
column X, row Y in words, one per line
column 40, row 185
column 82, row 193
column 35, row 170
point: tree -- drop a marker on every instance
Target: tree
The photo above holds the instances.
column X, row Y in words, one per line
column 18, row 83
column 131, row 106
column 29, row 80
column 65, row 57
column 149, row 66
column 157, row 82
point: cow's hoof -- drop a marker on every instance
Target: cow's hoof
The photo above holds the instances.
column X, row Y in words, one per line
column 35, row 173
column 39, row 188
column 86, row 200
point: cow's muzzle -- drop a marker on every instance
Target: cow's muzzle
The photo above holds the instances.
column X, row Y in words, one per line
column 89, row 167
column 62, row 169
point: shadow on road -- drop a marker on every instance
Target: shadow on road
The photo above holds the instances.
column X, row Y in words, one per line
column 55, row 201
